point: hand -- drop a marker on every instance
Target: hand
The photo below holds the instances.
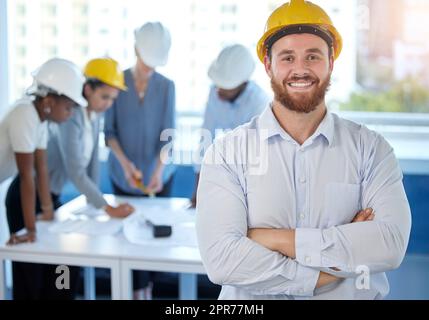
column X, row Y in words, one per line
column 47, row 215
column 325, row 279
column 156, row 185
column 280, row 240
column 262, row 236
column 364, row 215
column 121, row 211
column 29, row 237
column 132, row 174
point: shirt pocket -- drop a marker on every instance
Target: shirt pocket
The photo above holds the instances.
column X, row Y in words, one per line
column 341, row 202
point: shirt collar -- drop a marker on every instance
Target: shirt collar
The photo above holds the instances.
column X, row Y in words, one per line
column 89, row 118
column 268, row 122
column 326, row 128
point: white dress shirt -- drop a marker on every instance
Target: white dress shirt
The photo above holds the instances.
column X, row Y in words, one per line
column 316, row 188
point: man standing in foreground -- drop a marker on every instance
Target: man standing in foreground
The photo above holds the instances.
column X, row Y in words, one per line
column 294, row 228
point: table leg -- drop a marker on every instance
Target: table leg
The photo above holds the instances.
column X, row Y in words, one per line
column 188, row 286
column 2, row 280
column 89, row 283
column 126, row 283
column 115, row 282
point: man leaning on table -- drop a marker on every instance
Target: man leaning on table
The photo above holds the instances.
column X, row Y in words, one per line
column 295, row 228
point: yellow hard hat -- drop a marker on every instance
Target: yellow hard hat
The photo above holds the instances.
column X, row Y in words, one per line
column 300, row 13
column 107, row 71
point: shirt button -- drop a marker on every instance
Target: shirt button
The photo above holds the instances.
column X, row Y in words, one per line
column 302, row 180
column 307, row 260
column 302, row 216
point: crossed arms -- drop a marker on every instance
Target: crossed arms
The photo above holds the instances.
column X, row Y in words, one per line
column 283, row 241
column 295, row 262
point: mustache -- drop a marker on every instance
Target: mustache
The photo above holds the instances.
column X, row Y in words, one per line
column 301, row 78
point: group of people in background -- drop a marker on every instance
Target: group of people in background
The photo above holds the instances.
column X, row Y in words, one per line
column 325, row 200
column 51, row 136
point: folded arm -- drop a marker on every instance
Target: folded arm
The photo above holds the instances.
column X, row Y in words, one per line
column 229, row 256
column 380, row 244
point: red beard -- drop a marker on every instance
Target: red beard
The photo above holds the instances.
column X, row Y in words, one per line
column 305, row 102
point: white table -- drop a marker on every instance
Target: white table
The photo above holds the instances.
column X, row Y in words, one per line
column 184, row 260
column 66, row 249
column 113, row 252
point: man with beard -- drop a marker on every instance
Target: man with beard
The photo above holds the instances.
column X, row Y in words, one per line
column 290, row 221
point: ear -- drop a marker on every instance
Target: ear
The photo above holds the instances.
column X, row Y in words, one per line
column 87, row 90
column 49, row 100
column 331, row 63
column 267, row 65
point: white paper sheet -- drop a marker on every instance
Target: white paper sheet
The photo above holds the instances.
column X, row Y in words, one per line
column 96, row 226
column 182, row 222
column 88, row 211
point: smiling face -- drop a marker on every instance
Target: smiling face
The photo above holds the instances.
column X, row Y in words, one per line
column 100, row 98
column 300, row 70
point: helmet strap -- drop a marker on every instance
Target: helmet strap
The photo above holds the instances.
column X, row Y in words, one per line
column 298, row 29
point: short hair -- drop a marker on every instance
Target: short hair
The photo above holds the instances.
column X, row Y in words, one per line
column 93, row 83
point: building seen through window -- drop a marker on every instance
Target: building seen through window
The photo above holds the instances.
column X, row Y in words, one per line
column 382, row 66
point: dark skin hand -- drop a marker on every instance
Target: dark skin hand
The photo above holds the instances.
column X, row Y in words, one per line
column 25, row 164
column 28, row 237
column 43, row 189
column 121, row 211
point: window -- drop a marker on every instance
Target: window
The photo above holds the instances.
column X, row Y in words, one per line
column 21, row 9
column 392, row 73
column 84, row 50
column 21, row 51
column 83, row 30
column 51, row 9
column 382, row 67
column 22, row 71
column 228, row 27
column 22, row 31
column 229, row 8
column 50, row 51
column 84, row 10
column 50, row 31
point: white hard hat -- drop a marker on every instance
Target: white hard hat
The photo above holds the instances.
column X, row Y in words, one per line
column 153, row 44
column 60, row 76
column 233, row 67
